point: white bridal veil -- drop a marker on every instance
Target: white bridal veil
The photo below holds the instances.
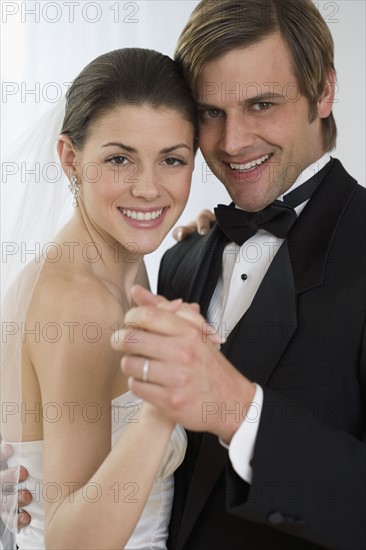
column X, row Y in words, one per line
column 35, row 204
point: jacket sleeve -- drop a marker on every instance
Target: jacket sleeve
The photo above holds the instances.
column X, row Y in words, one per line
column 314, row 484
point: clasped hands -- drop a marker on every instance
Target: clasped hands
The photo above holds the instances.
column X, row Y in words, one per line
column 189, row 379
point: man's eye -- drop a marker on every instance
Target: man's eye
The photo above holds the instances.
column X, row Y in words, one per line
column 262, row 106
column 210, row 113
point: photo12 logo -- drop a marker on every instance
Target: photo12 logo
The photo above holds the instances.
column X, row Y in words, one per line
column 71, row 12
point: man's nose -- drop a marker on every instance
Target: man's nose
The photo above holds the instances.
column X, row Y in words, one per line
column 237, row 135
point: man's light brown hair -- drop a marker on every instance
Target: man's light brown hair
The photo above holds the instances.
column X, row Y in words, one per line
column 219, row 26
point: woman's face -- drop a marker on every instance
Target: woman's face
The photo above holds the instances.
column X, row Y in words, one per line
column 135, row 173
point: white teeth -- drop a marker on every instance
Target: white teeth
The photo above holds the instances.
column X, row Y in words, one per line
column 142, row 216
column 249, row 165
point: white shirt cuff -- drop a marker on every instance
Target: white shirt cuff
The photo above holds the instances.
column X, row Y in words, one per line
column 241, row 448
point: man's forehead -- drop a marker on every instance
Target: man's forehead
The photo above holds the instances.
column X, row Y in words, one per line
column 264, row 67
column 269, row 48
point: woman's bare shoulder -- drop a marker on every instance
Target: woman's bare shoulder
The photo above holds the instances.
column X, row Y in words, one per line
column 77, row 293
column 75, row 317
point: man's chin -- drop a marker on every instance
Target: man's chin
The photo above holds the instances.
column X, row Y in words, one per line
column 251, row 203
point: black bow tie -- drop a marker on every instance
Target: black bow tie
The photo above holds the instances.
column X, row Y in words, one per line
column 277, row 218
column 239, row 225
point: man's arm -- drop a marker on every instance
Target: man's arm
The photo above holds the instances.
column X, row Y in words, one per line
column 202, row 224
column 186, row 373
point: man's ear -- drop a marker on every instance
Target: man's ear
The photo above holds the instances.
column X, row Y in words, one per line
column 326, row 100
column 67, row 154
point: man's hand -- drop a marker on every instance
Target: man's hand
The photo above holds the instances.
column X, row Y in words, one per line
column 191, row 312
column 202, row 225
column 188, row 378
column 7, row 478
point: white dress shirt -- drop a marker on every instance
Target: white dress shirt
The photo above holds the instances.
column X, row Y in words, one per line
column 243, row 270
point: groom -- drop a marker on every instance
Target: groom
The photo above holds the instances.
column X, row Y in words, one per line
column 276, row 420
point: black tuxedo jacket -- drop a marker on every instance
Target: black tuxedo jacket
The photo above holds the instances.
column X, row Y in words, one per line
column 303, row 340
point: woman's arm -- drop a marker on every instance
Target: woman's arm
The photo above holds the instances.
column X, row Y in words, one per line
column 76, row 375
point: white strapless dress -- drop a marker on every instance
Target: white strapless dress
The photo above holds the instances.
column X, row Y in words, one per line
column 151, row 531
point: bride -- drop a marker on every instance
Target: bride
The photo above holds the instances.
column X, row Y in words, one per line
column 100, row 463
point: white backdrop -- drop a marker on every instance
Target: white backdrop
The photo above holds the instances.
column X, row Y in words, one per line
column 46, row 43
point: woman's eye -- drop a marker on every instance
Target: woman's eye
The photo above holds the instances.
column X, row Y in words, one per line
column 118, row 160
column 173, row 161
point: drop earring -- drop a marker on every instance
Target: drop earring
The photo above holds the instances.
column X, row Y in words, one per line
column 75, row 189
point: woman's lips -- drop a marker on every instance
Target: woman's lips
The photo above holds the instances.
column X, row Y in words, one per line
column 146, row 219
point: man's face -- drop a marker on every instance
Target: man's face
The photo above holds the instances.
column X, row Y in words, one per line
column 255, row 132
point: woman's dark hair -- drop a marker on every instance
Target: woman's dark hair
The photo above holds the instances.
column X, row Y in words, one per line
column 129, row 76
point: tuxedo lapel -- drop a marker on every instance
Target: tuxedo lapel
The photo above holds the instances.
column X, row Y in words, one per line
column 199, row 271
column 310, row 240
column 259, row 339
